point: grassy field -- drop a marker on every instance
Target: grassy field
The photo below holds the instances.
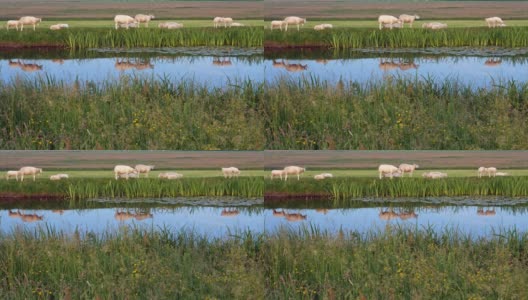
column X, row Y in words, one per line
column 304, row 264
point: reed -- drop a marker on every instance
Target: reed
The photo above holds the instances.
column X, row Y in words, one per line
column 84, row 38
column 345, row 189
column 131, row 113
column 304, row 263
column 341, row 38
column 79, row 189
column 395, row 114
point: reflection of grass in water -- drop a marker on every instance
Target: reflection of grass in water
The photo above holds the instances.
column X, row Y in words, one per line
column 291, row 264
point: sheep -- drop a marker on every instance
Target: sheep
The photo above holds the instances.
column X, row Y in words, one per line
column 386, row 19
column 408, row 19
column 235, row 24
column 124, row 171
column 10, row 174
column 140, row 18
column 230, row 172
column 277, row 24
column 293, row 170
column 390, row 170
column 327, row 175
column 397, row 25
column 124, row 20
column 319, row 177
column 55, row 177
column 501, row 174
column 494, row 22
column 292, row 20
column 170, row 175
column 12, row 23
column 29, row 171
column 144, row 169
column 55, row 27
column 221, row 20
column 170, row 25
column 490, row 171
column 434, row 25
column 434, row 175
column 29, row 20
column 407, row 168
column 62, row 175
column 323, row 26
column 276, row 173
column 63, row 25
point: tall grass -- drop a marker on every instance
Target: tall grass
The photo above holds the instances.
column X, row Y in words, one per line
column 288, row 264
column 343, row 189
column 78, row 189
column 342, row 38
column 130, row 113
column 395, row 114
column 145, row 37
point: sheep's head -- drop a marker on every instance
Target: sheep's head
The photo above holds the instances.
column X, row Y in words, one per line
column 417, row 17
column 151, row 16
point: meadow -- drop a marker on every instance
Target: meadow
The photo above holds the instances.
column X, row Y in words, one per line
column 287, row 264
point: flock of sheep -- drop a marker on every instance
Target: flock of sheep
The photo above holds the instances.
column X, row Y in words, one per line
column 124, row 171
column 384, row 21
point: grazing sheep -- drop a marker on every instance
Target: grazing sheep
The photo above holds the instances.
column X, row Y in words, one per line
column 327, row 175
column 29, row 171
column 29, row 20
column 293, row 21
column 277, row 24
column 12, row 23
column 494, row 22
column 319, row 177
column 323, row 26
column 434, row 25
column 140, row 18
column 386, row 19
column 293, row 170
column 230, row 172
column 434, row 175
column 489, row 171
column 124, row 171
column 397, row 25
column 408, row 19
column 55, row 27
column 144, row 169
column 63, row 25
column 10, row 174
column 217, row 21
column 124, row 21
column 501, row 174
column 235, row 24
column 276, row 173
column 55, row 177
column 390, row 170
column 407, row 168
column 170, row 175
column 171, row 25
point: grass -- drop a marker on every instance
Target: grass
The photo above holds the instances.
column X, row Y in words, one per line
column 80, row 189
column 395, row 114
column 358, row 37
column 344, row 189
column 130, row 113
column 288, row 264
column 88, row 37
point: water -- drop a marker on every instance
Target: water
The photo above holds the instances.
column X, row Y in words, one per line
column 221, row 217
column 219, row 67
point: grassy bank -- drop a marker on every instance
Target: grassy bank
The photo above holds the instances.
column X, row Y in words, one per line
column 78, row 189
column 342, row 38
column 130, row 113
column 343, row 189
column 83, row 38
column 395, row 114
column 309, row 264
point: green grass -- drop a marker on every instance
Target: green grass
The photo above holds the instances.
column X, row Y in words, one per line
column 130, row 113
column 366, row 37
column 288, row 264
column 395, row 114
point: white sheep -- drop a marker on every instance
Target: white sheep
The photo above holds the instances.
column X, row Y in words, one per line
column 144, row 169
column 323, row 26
column 140, row 18
column 397, row 25
column 124, row 20
column 292, row 20
column 55, row 27
column 489, row 171
column 235, row 24
column 55, row 177
column 390, row 170
column 408, row 19
column 230, row 172
column 10, row 174
column 494, row 22
column 170, row 25
column 276, row 173
column 293, row 170
column 124, row 171
column 277, row 24
column 217, row 21
column 29, row 171
column 434, row 25
column 29, row 20
column 434, row 175
column 319, row 177
column 170, row 175
column 63, row 25
column 501, row 174
column 12, row 23
column 386, row 19
column 407, row 168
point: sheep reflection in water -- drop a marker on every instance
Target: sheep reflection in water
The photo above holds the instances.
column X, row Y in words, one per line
column 25, row 217
column 122, row 215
